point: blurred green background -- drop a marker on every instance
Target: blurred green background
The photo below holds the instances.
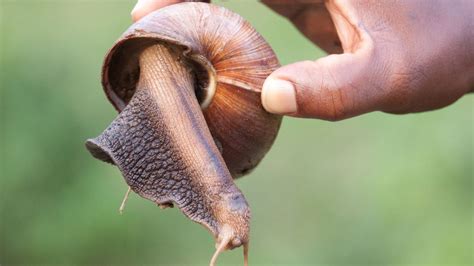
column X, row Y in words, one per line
column 374, row 190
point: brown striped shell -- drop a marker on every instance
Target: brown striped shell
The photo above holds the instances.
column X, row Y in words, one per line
column 230, row 61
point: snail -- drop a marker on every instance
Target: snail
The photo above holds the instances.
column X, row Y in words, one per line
column 186, row 81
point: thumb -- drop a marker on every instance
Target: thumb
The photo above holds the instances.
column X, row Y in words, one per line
column 332, row 88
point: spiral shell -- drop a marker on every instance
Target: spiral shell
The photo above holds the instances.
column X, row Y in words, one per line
column 230, row 61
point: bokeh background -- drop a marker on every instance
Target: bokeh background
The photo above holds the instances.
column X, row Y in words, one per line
column 374, row 190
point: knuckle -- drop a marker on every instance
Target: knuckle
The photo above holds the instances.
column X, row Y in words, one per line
column 335, row 101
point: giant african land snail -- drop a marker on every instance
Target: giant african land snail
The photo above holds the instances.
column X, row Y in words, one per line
column 159, row 75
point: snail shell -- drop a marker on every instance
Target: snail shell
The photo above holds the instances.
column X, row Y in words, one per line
column 230, row 61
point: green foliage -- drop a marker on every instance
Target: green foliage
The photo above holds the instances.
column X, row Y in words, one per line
column 378, row 189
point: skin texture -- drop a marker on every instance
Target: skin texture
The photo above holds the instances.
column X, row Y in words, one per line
column 397, row 57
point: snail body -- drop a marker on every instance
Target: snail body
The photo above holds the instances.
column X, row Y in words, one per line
column 186, row 81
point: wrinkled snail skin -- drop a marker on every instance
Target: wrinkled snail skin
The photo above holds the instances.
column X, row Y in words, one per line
column 159, row 75
column 164, row 150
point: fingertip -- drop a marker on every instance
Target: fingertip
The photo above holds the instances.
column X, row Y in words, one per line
column 137, row 11
column 144, row 7
column 279, row 96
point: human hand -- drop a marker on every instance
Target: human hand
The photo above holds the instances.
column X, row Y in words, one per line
column 399, row 56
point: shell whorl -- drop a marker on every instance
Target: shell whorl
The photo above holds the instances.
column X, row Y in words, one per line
column 225, row 51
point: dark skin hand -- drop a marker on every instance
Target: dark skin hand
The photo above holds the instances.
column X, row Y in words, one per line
column 392, row 56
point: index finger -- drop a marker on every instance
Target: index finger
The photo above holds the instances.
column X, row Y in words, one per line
column 144, row 7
